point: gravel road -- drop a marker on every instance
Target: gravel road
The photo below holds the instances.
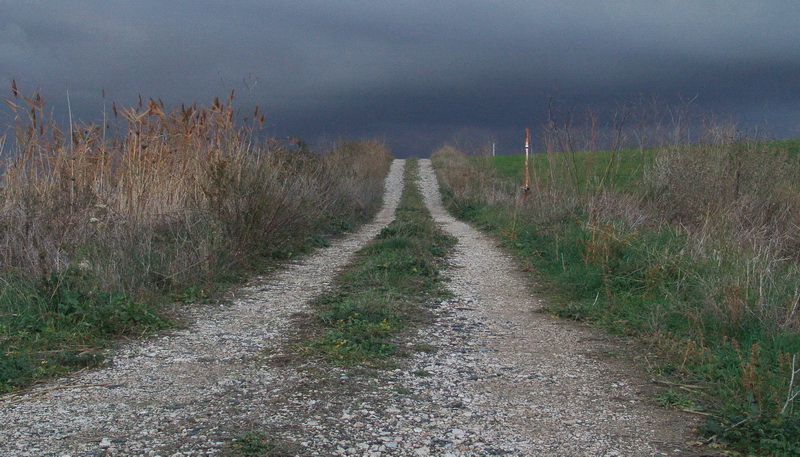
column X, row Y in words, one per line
column 489, row 376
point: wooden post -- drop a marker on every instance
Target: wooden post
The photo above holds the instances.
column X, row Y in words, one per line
column 527, row 187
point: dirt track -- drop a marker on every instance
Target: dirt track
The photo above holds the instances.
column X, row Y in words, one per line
column 501, row 379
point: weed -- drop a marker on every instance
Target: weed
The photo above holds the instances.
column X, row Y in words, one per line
column 675, row 399
column 425, row 348
column 257, row 444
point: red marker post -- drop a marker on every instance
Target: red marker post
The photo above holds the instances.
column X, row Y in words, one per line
column 527, row 186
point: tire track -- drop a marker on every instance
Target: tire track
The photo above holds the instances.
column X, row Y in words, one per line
column 555, row 386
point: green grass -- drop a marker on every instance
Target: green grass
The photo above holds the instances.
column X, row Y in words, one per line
column 258, row 444
column 380, row 295
column 59, row 325
column 790, row 146
column 618, row 169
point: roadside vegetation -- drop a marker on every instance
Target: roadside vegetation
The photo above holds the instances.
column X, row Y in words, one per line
column 101, row 225
column 691, row 247
column 383, row 292
column 257, row 444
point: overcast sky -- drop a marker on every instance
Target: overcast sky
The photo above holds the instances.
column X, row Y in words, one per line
column 416, row 73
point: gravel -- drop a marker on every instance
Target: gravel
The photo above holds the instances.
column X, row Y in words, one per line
column 488, row 376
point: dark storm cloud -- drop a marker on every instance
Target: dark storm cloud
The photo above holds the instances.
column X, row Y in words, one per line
column 414, row 72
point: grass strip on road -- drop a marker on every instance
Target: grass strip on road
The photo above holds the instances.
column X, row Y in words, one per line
column 381, row 293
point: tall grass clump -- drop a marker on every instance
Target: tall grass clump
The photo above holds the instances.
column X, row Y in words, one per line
column 691, row 246
column 100, row 223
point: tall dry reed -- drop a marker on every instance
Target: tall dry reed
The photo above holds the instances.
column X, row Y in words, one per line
column 168, row 197
column 99, row 224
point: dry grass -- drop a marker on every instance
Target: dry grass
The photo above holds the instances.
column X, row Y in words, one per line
column 99, row 224
column 172, row 197
column 729, row 185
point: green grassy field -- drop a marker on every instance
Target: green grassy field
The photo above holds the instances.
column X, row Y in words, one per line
column 622, row 169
